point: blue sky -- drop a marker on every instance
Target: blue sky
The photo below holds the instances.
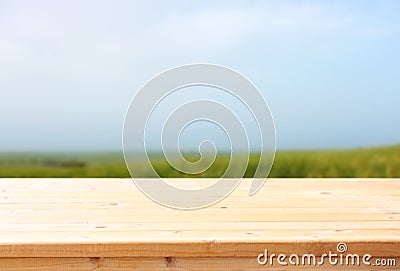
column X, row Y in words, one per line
column 329, row 70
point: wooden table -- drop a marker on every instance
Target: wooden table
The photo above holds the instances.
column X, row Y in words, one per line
column 108, row 224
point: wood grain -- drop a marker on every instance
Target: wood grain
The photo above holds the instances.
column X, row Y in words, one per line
column 108, row 224
column 164, row 264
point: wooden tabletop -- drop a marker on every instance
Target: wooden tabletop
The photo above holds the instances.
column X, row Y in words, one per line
column 112, row 218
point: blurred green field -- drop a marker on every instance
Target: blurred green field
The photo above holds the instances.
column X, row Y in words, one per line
column 366, row 162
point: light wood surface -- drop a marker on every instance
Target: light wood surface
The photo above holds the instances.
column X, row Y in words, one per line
column 108, row 224
column 162, row 264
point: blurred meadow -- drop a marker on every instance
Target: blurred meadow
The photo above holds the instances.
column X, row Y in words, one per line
column 362, row 162
column 329, row 71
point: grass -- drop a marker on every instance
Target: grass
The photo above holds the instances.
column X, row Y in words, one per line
column 369, row 162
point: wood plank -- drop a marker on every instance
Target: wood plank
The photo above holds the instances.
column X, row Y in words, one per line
column 194, row 248
column 112, row 218
column 164, row 264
